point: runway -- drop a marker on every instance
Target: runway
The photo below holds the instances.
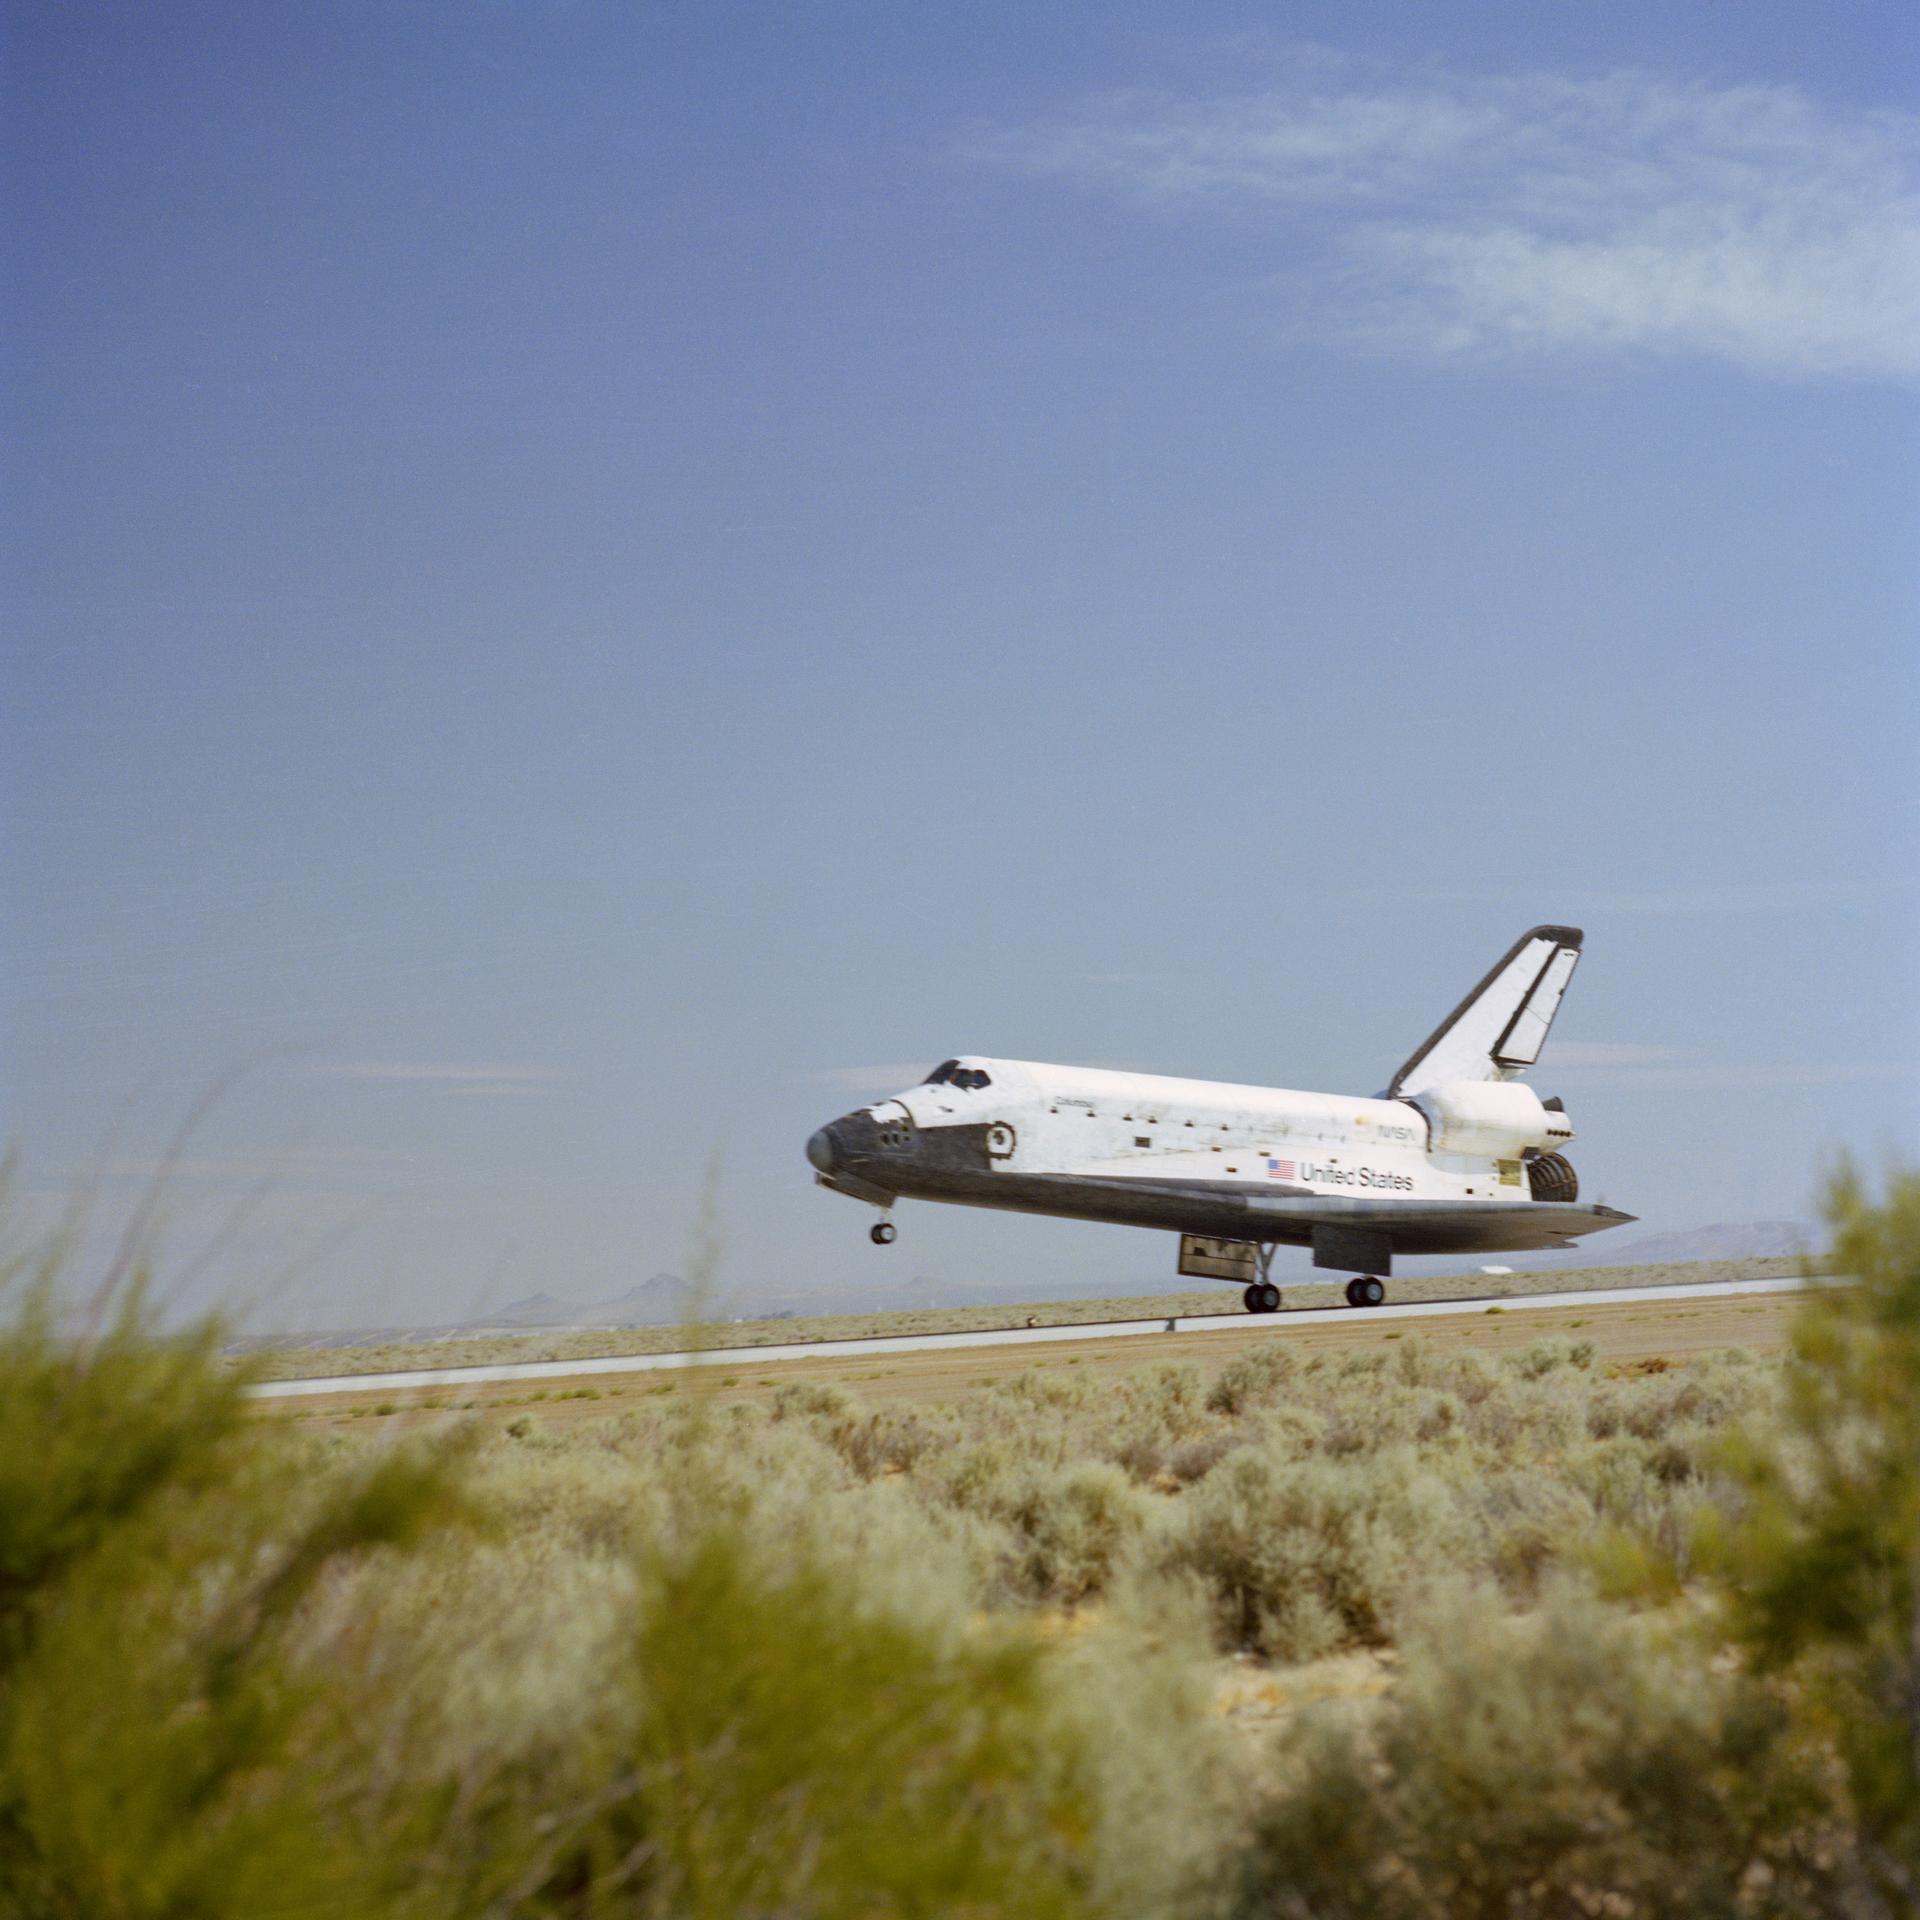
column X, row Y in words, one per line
column 1225, row 1324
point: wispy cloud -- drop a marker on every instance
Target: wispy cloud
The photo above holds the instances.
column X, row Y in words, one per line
column 1457, row 213
column 473, row 1078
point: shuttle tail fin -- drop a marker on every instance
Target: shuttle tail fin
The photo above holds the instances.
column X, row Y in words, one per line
column 1500, row 1027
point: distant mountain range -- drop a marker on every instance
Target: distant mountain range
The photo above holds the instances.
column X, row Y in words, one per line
column 653, row 1303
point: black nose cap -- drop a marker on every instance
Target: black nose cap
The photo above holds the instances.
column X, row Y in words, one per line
column 820, row 1150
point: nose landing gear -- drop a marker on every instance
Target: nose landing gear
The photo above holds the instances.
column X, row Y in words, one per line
column 1365, row 1291
column 883, row 1233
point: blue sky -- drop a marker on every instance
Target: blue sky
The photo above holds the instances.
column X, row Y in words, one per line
column 591, row 584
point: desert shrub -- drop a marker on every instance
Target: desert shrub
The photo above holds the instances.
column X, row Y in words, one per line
column 1251, row 1379
column 811, row 1400
column 1292, row 1431
column 94, row 1431
column 1388, row 1414
column 1541, row 1357
column 650, row 1671
column 1066, row 1529
column 1141, row 1450
column 795, row 1751
column 1194, row 1459
column 1414, row 1362
column 1820, row 1562
column 567, row 1486
column 1166, row 1806
column 1572, row 1762
column 1167, row 1396
column 972, row 1476
column 1528, row 1521
column 766, row 1736
column 1034, row 1387
column 1635, row 1490
column 162, row 1749
column 890, row 1440
column 1301, row 1557
column 1469, row 1376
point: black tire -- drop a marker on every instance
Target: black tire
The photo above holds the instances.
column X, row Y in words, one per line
column 883, row 1233
column 1269, row 1297
column 1373, row 1291
column 1356, row 1293
column 1251, row 1298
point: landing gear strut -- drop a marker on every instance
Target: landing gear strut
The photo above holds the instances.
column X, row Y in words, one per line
column 883, row 1233
column 1366, row 1291
column 1263, row 1296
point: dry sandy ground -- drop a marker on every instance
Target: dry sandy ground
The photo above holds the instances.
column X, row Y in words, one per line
column 1637, row 1334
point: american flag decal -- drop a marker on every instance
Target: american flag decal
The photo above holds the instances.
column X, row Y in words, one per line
column 1281, row 1170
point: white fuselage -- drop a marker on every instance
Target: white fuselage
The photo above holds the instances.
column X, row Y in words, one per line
column 1089, row 1120
column 1458, row 1155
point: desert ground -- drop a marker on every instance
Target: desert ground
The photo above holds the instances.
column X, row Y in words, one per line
column 1632, row 1336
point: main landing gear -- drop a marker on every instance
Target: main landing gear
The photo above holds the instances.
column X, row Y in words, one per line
column 1263, row 1296
column 883, row 1233
column 1366, row 1291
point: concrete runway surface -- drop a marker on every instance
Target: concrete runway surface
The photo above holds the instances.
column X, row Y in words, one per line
column 875, row 1345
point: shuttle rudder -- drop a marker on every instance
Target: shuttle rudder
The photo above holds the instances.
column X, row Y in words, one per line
column 1500, row 1027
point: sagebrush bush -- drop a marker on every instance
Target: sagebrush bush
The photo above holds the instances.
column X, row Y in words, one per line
column 1300, row 1557
column 1819, row 1555
column 1570, row 1762
column 162, row 1746
column 1073, row 1527
column 1252, row 1379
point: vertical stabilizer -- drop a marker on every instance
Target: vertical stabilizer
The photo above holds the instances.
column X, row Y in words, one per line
column 1500, row 1027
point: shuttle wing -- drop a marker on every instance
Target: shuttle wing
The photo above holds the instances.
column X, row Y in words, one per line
column 1500, row 1027
column 1229, row 1210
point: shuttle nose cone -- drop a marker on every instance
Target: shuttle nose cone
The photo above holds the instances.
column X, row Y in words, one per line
column 820, row 1151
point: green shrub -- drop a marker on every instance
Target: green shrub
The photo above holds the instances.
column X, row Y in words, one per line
column 1300, row 1557
column 163, row 1749
column 1570, row 1763
column 1073, row 1527
column 782, row 1746
column 1821, row 1562
column 1252, row 1379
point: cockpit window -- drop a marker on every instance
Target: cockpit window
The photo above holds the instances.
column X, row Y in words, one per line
column 950, row 1073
